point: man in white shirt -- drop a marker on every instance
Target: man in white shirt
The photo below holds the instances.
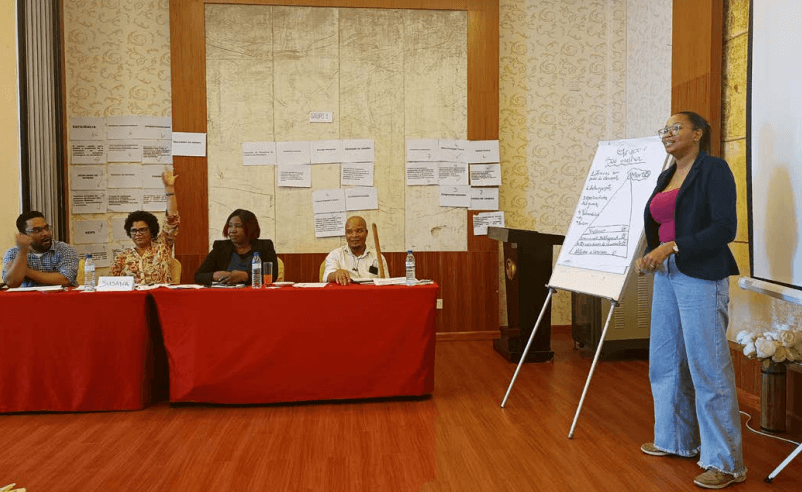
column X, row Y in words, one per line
column 355, row 259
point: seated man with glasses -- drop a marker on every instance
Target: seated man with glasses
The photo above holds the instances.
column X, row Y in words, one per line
column 355, row 259
column 37, row 259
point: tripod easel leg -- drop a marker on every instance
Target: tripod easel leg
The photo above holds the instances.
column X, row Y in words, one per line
column 592, row 367
column 528, row 344
column 784, row 463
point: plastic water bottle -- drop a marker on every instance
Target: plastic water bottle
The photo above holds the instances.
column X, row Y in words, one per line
column 256, row 271
column 411, row 269
column 89, row 273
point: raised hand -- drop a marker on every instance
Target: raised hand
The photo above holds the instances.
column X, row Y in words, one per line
column 168, row 178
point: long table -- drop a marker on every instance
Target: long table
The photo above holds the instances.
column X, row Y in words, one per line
column 73, row 351
column 242, row 346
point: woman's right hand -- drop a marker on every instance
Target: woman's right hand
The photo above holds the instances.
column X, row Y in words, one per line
column 221, row 276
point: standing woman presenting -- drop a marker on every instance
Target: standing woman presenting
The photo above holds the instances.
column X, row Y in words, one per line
column 689, row 220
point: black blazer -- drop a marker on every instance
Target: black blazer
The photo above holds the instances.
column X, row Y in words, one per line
column 220, row 256
column 705, row 219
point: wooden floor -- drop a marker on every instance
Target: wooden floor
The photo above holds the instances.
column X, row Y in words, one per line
column 457, row 440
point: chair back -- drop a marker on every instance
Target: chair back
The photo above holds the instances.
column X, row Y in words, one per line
column 80, row 278
column 280, row 273
column 175, row 271
column 322, row 271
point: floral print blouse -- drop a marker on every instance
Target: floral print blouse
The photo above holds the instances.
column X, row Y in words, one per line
column 153, row 265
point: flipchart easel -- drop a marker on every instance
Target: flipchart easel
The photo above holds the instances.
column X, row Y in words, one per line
column 605, row 284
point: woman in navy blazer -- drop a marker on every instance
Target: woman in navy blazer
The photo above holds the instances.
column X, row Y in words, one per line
column 689, row 221
column 229, row 261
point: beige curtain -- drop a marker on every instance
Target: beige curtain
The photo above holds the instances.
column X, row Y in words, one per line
column 41, row 111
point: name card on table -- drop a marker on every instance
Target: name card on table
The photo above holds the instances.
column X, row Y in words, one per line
column 115, row 284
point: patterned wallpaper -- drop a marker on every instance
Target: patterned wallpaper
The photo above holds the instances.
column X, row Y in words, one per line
column 571, row 74
column 117, row 57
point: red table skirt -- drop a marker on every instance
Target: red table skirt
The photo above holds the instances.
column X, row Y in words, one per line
column 293, row 344
column 73, row 351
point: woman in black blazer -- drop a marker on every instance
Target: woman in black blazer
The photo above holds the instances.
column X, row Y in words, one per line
column 689, row 221
column 229, row 261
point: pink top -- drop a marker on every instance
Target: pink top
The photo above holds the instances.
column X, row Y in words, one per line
column 662, row 210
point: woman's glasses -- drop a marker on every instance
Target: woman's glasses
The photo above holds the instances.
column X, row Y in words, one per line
column 673, row 129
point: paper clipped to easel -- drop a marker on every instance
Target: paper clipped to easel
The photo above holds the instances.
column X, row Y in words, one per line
column 608, row 222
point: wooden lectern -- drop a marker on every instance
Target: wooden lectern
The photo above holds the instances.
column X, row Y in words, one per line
column 528, row 257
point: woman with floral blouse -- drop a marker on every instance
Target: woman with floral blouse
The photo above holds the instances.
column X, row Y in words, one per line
column 149, row 260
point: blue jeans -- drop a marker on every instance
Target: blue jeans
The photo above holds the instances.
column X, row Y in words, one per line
column 690, row 369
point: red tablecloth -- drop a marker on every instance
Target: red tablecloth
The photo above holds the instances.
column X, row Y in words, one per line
column 73, row 351
column 295, row 344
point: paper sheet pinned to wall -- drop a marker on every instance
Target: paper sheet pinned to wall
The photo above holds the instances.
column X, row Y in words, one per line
column 124, row 151
column 453, row 150
column 293, row 176
column 125, row 199
column 90, row 231
column 157, row 127
column 330, row 225
column 292, row 153
column 422, row 173
column 157, row 151
column 124, row 128
column 485, row 174
column 88, row 152
column 189, row 144
column 356, row 174
column 358, row 151
column 455, row 196
column 258, row 153
column 88, row 178
column 452, row 173
column 483, row 151
column 101, row 253
column 89, row 202
column 483, row 220
column 326, row 151
column 423, row 150
column 327, row 201
column 484, row 199
column 361, row 198
column 125, row 176
column 87, row 128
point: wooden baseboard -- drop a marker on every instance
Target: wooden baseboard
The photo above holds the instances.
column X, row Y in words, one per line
column 447, row 336
column 468, row 335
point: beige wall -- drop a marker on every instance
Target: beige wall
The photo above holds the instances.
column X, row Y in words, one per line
column 9, row 125
column 748, row 310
